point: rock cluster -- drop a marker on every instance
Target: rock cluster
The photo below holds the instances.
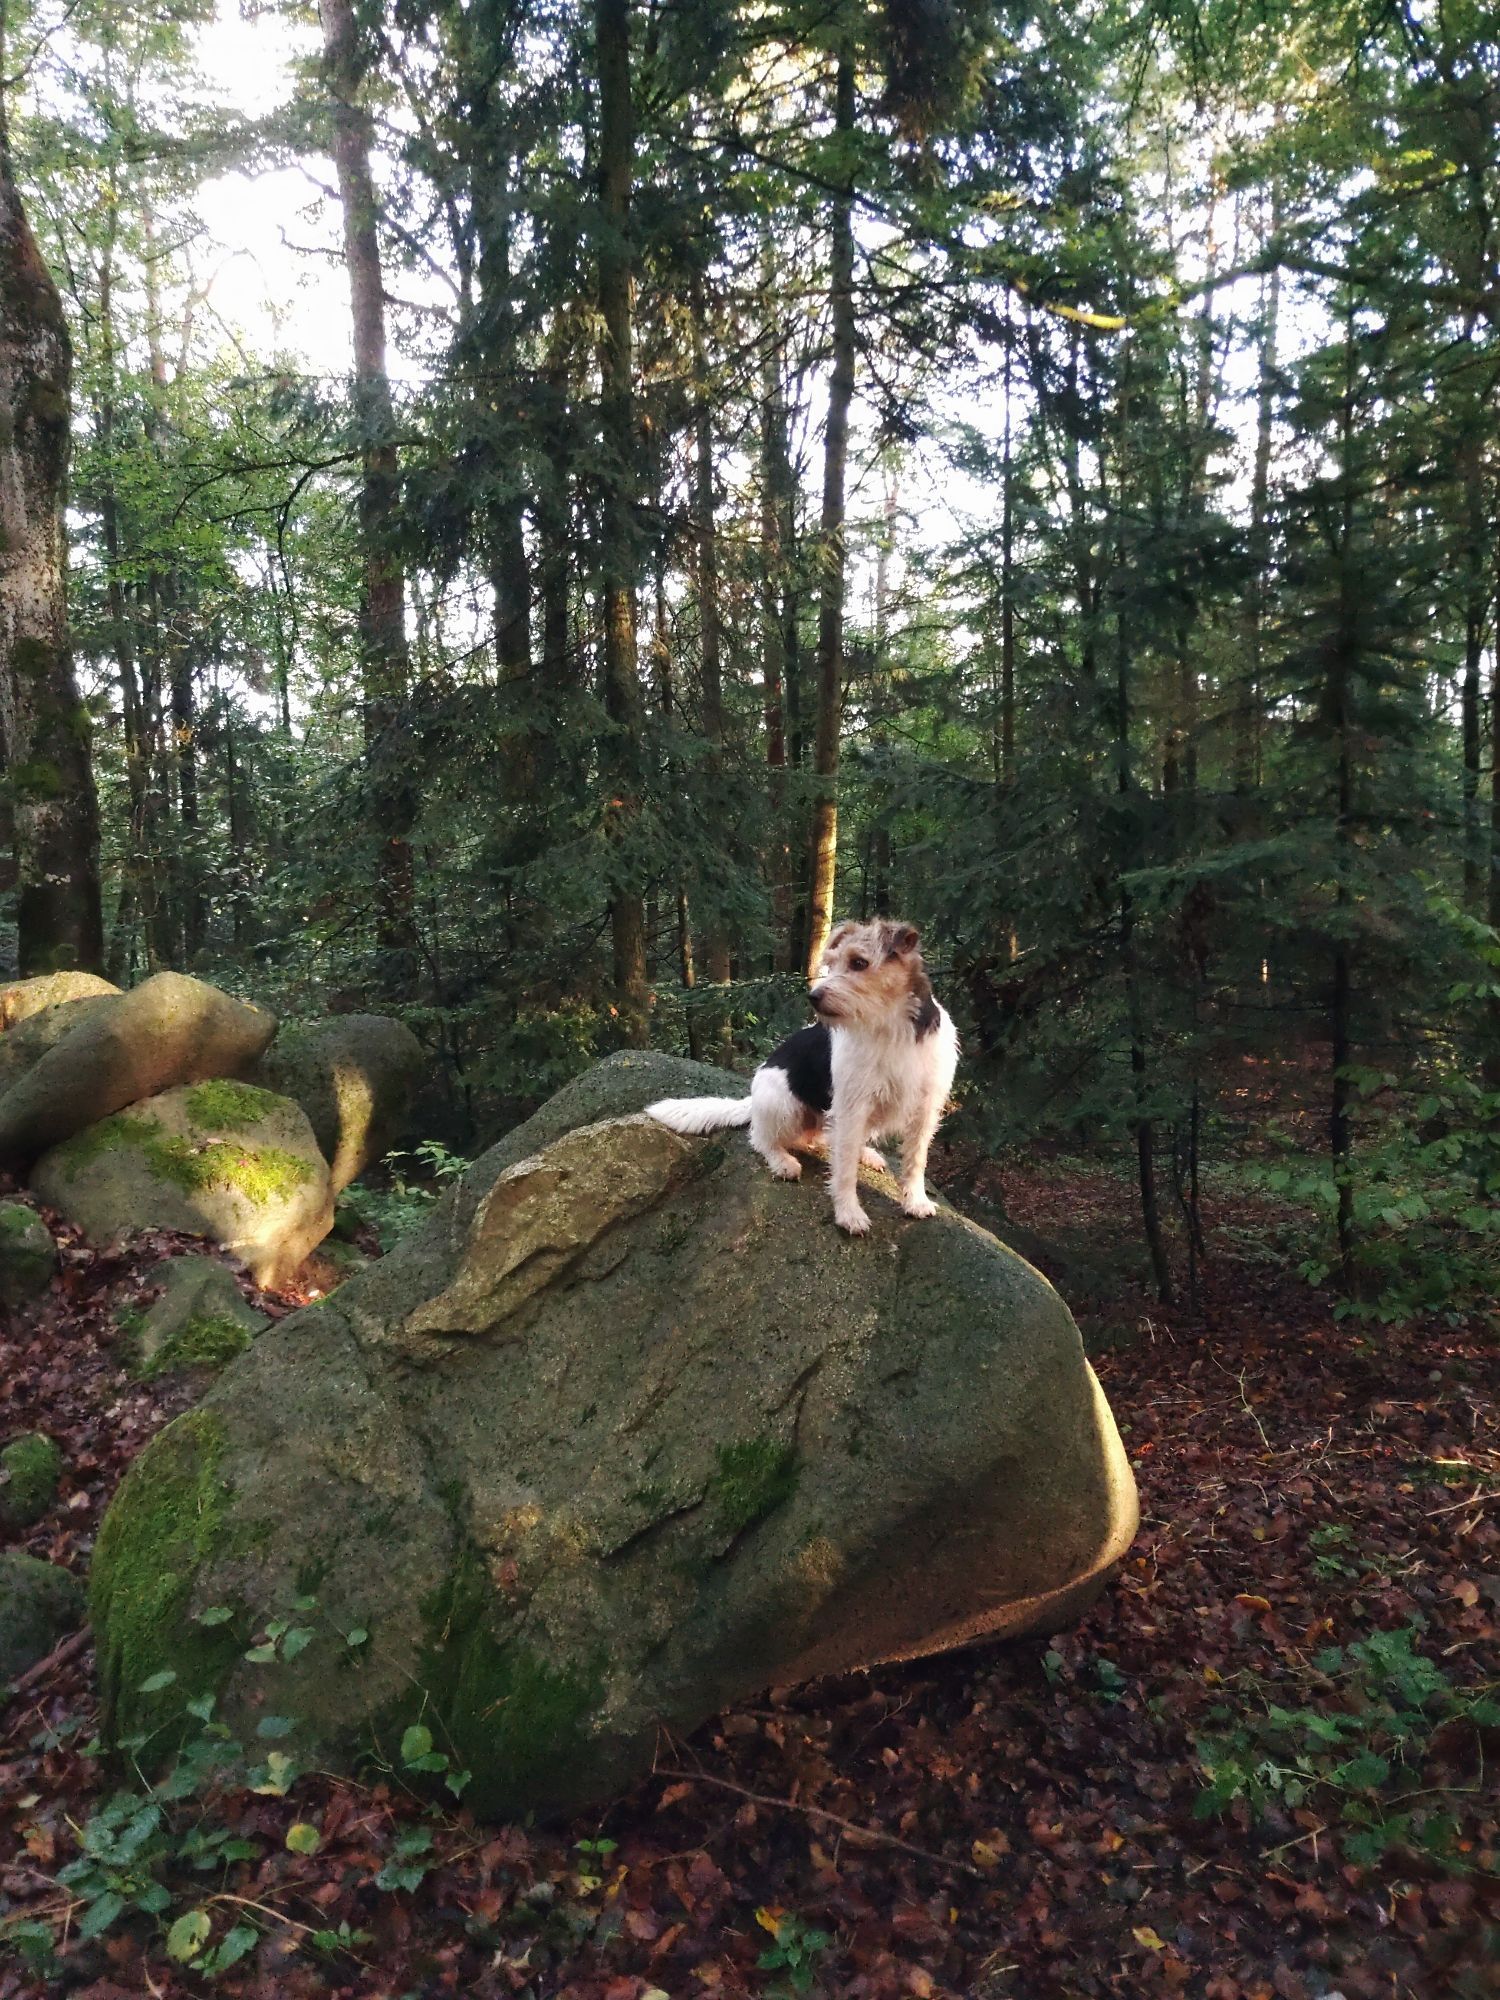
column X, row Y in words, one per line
column 173, row 1106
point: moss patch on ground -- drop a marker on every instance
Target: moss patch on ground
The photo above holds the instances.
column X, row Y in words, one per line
column 165, row 1522
column 261, row 1173
column 32, row 1466
column 752, row 1480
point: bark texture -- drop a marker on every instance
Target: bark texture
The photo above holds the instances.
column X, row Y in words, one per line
column 44, row 727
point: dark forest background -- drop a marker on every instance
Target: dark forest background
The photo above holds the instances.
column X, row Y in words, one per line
column 1033, row 469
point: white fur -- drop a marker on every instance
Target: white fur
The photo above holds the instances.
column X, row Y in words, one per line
column 885, row 1081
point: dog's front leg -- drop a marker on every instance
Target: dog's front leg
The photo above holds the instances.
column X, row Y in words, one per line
column 916, row 1141
column 846, row 1143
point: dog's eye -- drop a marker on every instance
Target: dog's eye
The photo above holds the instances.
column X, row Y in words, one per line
column 858, row 964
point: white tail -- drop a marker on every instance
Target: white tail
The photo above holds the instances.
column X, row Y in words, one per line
column 700, row 1114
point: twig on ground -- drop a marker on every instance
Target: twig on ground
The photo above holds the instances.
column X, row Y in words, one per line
column 60, row 1655
column 849, row 1826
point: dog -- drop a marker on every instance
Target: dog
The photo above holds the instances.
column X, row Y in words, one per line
column 880, row 1059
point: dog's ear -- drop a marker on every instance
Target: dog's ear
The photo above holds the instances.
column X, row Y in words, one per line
column 837, row 935
column 901, row 940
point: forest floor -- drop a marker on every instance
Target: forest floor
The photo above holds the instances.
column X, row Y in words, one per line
column 1315, row 1591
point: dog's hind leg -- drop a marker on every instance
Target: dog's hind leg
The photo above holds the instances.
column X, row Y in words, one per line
column 777, row 1118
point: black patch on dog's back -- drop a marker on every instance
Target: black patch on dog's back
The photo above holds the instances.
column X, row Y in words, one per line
column 925, row 1014
column 807, row 1058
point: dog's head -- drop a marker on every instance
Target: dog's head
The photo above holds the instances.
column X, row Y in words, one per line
column 872, row 976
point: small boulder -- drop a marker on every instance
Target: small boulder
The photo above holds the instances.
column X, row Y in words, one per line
column 201, row 1322
column 30, row 1468
column 39, row 1605
column 23, row 997
column 218, row 1159
column 28, row 1255
column 167, row 1031
column 627, row 1431
column 354, row 1076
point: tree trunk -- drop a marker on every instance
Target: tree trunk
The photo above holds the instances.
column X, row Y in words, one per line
column 622, row 752
column 831, row 550
column 44, row 728
column 384, row 662
column 773, row 472
column 716, row 962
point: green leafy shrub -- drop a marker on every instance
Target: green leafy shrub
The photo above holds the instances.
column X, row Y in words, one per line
column 1357, row 1756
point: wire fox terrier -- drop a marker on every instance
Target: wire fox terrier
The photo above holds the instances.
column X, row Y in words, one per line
column 880, row 1060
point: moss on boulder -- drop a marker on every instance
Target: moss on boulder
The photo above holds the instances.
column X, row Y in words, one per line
column 30, row 1468
column 225, row 1161
column 582, row 1463
column 39, row 1605
column 164, row 1524
column 354, row 1076
column 199, row 1324
column 28, row 1255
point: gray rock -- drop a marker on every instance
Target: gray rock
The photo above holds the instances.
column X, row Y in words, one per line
column 354, row 1076
column 30, row 1467
column 39, row 1605
column 628, row 1431
column 217, row 1159
column 169, row 1030
column 23, row 1046
column 200, row 1323
column 24, row 997
column 28, row 1255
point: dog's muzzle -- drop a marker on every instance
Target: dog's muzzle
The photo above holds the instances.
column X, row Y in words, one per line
column 819, row 998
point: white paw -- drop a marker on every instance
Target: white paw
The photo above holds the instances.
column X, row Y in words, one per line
column 870, row 1158
column 854, row 1220
column 919, row 1206
column 787, row 1169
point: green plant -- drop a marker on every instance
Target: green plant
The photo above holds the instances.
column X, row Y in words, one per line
column 406, row 1201
column 796, row 1949
column 1358, row 1754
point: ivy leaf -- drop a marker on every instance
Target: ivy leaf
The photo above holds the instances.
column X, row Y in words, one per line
column 189, row 1935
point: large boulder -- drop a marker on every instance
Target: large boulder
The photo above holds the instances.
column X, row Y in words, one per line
column 24, row 997
column 628, row 1431
column 198, row 1324
column 39, row 1604
column 354, row 1076
column 169, row 1030
column 218, row 1159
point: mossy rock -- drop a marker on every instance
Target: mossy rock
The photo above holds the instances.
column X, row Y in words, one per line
column 354, row 1076
column 39, row 1605
column 30, row 1468
column 22, row 998
column 218, row 1159
column 28, row 1255
column 625, row 1433
column 168, row 1031
column 200, row 1323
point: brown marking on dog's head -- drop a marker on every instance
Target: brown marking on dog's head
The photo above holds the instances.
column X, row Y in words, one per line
column 872, row 972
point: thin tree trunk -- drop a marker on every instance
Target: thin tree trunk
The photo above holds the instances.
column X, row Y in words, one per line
column 1247, row 736
column 710, row 627
column 773, row 474
column 44, row 728
column 1476, row 615
column 831, row 549
column 622, row 753
column 384, row 662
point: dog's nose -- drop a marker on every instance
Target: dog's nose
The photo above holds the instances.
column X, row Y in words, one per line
column 817, row 995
